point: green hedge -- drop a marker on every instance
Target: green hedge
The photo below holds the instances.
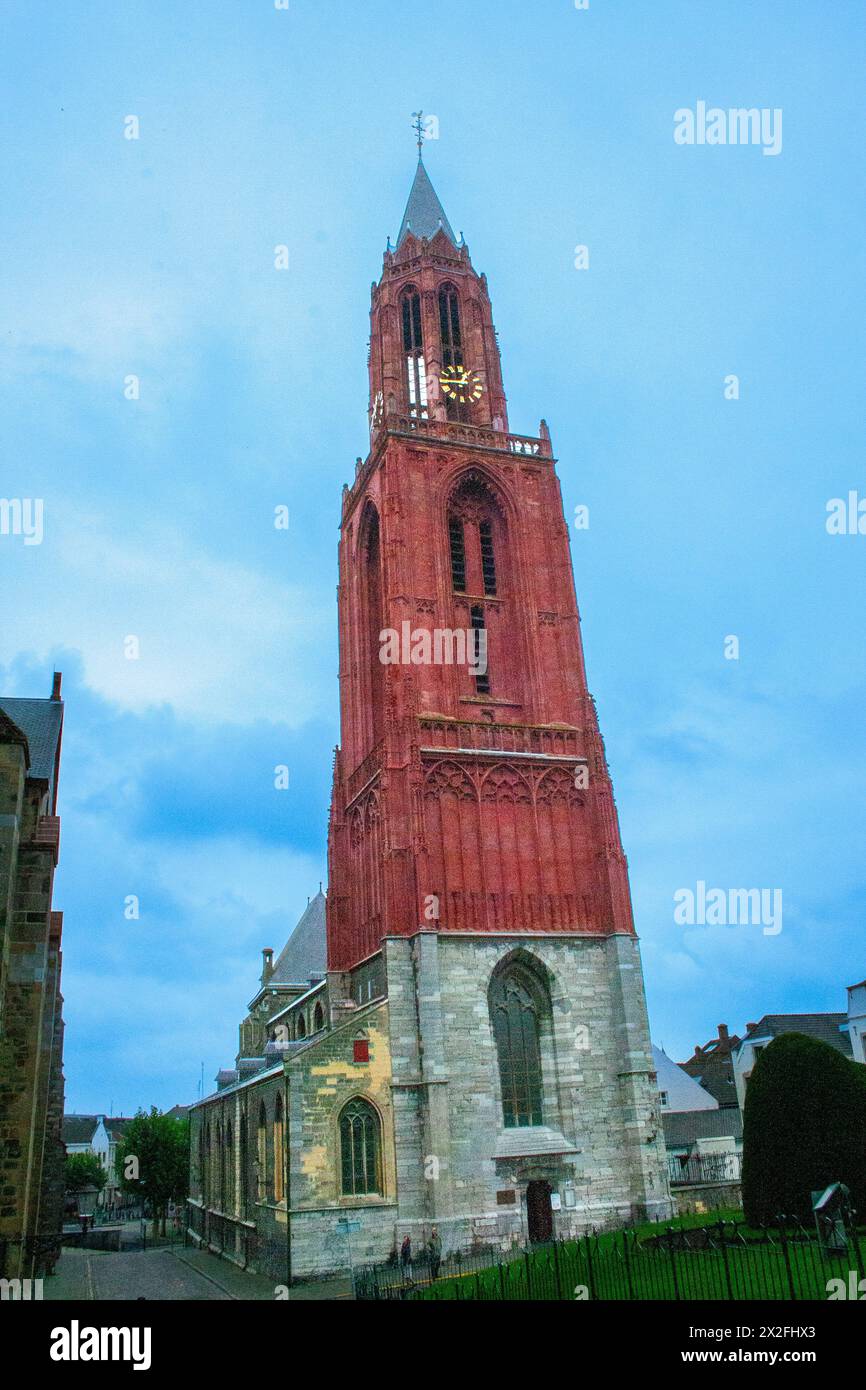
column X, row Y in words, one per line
column 804, row 1126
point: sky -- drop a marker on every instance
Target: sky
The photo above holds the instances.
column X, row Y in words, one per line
column 154, row 258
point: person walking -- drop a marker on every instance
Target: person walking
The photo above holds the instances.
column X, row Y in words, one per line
column 406, row 1257
column 434, row 1249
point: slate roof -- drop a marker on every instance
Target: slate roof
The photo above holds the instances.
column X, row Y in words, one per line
column 685, row 1126
column 825, row 1027
column 424, row 213
column 78, row 1129
column 116, row 1127
column 305, row 952
column 40, row 721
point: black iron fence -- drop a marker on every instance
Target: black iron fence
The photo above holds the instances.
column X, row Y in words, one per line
column 724, row 1261
column 703, row 1168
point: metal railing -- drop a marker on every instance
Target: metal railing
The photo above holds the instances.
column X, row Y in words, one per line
column 703, row 1168
column 724, row 1261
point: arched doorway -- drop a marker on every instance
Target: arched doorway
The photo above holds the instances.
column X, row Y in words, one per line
column 539, row 1212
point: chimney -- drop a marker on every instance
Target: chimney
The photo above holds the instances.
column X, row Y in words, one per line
column 723, row 1032
column 750, row 1026
column 55, row 689
column 267, row 964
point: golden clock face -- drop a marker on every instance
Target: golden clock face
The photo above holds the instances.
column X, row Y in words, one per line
column 461, row 385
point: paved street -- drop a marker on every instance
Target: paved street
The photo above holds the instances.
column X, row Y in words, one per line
column 178, row 1274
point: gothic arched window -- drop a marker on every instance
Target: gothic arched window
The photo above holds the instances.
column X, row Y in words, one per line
column 413, row 349
column 360, row 1149
column 516, row 1005
column 262, row 1154
column 230, row 1169
column 203, row 1144
column 372, row 593
column 318, row 1019
column 243, row 1157
column 220, row 1167
column 279, row 1151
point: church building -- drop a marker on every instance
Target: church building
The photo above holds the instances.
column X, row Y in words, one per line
column 457, row 1034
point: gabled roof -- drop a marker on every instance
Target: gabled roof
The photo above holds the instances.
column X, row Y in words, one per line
column 305, row 952
column 825, row 1027
column 40, row 721
column 79, row 1129
column 682, row 1091
column 424, row 215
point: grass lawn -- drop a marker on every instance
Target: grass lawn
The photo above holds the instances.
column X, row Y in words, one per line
column 611, row 1267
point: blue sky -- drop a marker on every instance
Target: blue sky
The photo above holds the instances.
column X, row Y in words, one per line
column 154, row 257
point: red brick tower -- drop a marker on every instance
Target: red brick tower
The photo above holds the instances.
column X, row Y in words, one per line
column 462, row 802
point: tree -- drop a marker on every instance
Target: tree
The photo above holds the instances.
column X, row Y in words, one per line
column 153, row 1160
column 84, row 1170
column 804, row 1127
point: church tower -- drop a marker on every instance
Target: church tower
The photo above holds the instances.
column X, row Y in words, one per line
column 474, row 848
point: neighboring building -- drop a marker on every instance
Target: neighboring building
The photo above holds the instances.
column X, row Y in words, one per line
column 712, row 1066
column 857, row 1020
column 475, row 1052
column 98, row 1135
column 678, row 1091
column 828, row 1028
column 705, row 1150
column 31, row 1020
column 704, row 1140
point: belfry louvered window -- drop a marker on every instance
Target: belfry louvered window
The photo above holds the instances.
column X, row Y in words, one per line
column 514, row 1014
column 413, row 348
column 360, row 1149
column 488, row 561
column 482, row 678
column 451, row 342
column 458, row 554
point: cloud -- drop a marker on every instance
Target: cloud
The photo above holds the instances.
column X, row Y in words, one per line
column 217, row 640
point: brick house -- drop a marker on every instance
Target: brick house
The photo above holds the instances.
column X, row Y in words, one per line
column 31, row 1020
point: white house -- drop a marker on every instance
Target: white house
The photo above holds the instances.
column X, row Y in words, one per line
column 828, row 1028
column 857, row 1020
column 98, row 1135
column 677, row 1090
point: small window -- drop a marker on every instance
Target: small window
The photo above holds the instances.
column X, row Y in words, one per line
column 302, row 1026
column 318, row 1019
column 360, row 1050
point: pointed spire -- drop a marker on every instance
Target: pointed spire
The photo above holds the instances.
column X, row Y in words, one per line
column 424, row 213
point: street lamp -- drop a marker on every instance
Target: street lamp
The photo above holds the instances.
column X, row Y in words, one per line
column 87, row 1207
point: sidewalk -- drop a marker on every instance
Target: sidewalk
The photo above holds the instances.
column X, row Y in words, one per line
column 241, row 1283
column 93, row 1275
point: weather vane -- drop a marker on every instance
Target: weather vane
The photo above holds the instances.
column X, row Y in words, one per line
column 419, row 128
